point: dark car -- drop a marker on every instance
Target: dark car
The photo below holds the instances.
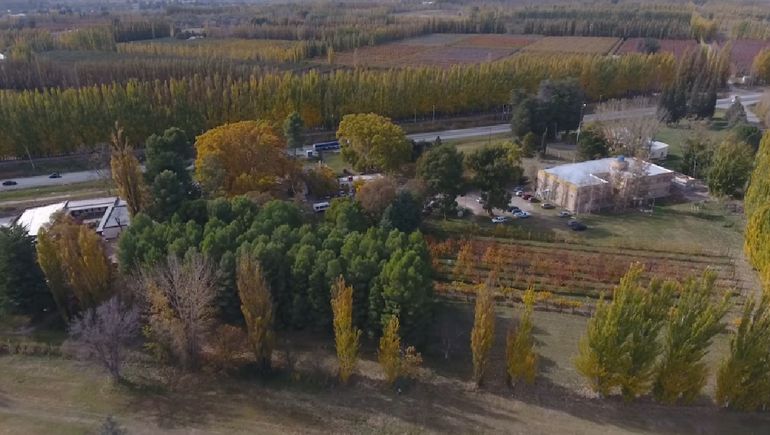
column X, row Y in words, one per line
column 533, row 199
column 547, row 205
column 526, row 196
column 9, row 183
column 514, row 209
column 577, row 225
column 55, row 175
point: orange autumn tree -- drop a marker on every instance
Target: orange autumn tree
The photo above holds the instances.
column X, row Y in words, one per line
column 241, row 157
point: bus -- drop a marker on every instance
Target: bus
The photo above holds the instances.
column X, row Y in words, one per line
column 326, row 146
column 320, row 207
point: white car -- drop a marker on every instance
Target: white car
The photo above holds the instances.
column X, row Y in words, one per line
column 522, row 214
column 565, row 213
column 499, row 219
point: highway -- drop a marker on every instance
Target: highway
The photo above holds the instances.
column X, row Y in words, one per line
column 747, row 98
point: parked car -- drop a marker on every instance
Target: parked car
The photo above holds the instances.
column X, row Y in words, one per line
column 565, row 214
column 55, row 175
column 547, row 205
column 526, row 196
column 499, row 219
column 533, row 199
column 577, row 225
column 9, row 183
column 479, row 200
column 522, row 214
column 514, row 209
column 518, row 193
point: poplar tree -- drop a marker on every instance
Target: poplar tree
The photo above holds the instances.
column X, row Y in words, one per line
column 743, row 378
column 483, row 333
column 691, row 325
column 126, row 172
column 520, row 355
column 346, row 335
column 758, row 192
column 620, row 347
column 257, row 308
column 389, row 354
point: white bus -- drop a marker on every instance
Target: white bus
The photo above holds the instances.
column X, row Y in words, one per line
column 320, row 206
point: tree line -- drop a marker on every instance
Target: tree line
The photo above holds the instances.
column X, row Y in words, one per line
column 56, row 121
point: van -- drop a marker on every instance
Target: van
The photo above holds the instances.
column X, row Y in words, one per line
column 320, row 206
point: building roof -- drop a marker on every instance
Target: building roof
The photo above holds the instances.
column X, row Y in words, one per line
column 91, row 203
column 656, row 145
column 593, row 172
column 34, row 218
column 115, row 216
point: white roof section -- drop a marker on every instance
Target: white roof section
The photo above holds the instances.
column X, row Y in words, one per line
column 35, row 218
column 91, row 203
column 656, row 145
column 591, row 172
column 116, row 216
column 354, row 178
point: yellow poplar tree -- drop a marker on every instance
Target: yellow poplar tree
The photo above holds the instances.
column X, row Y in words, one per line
column 127, row 173
column 257, row 308
column 346, row 336
column 389, row 353
column 483, row 333
column 466, row 261
column 520, row 354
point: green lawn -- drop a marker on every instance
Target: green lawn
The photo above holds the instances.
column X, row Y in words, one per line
column 472, row 144
column 675, row 137
column 49, row 191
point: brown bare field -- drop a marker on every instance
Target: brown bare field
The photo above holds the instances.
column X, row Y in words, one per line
column 573, row 44
column 438, row 49
column 744, row 51
column 677, row 47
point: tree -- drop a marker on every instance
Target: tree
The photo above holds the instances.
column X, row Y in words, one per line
column 395, row 362
column 22, row 283
column 126, row 172
column 494, row 167
column 730, row 168
column 465, row 263
column 75, row 264
column 691, row 324
column 760, row 66
column 521, row 358
column 748, row 134
column 743, row 378
column 735, row 114
column 530, row 144
column 321, row 181
column 483, row 332
column 698, row 152
column 562, row 102
column 757, row 239
column 649, row 46
column 371, row 142
column 441, row 168
column 257, row 308
column 180, row 298
column 242, row 157
column 103, row 334
column 620, row 346
column 346, row 335
column 293, row 127
column 403, row 214
column 167, row 152
column 592, row 144
column 758, row 192
column 389, row 354
column 346, row 215
column 168, row 193
column 376, row 195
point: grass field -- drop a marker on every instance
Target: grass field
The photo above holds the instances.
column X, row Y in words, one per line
column 41, row 393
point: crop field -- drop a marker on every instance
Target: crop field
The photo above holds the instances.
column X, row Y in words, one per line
column 231, row 49
column 439, row 49
column 574, row 44
column 677, row 47
column 743, row 53
column 570, row 270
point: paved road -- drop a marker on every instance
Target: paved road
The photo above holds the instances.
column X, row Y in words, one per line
column 747, row 98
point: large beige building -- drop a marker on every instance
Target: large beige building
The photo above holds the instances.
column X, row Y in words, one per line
column 596, row 184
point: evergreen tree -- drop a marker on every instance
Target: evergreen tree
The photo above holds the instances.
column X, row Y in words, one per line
column 730, row 168
column 403, row 214
column 592, row 144
column 22, row 283
column 441, row 168
column 293, row 127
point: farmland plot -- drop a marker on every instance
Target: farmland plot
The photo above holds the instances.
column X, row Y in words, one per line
column 677, row 47
column 574, row 44
column 570, row 270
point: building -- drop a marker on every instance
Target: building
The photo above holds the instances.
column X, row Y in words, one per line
column 107, row 216
column 596, row 184
column 658, row 150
